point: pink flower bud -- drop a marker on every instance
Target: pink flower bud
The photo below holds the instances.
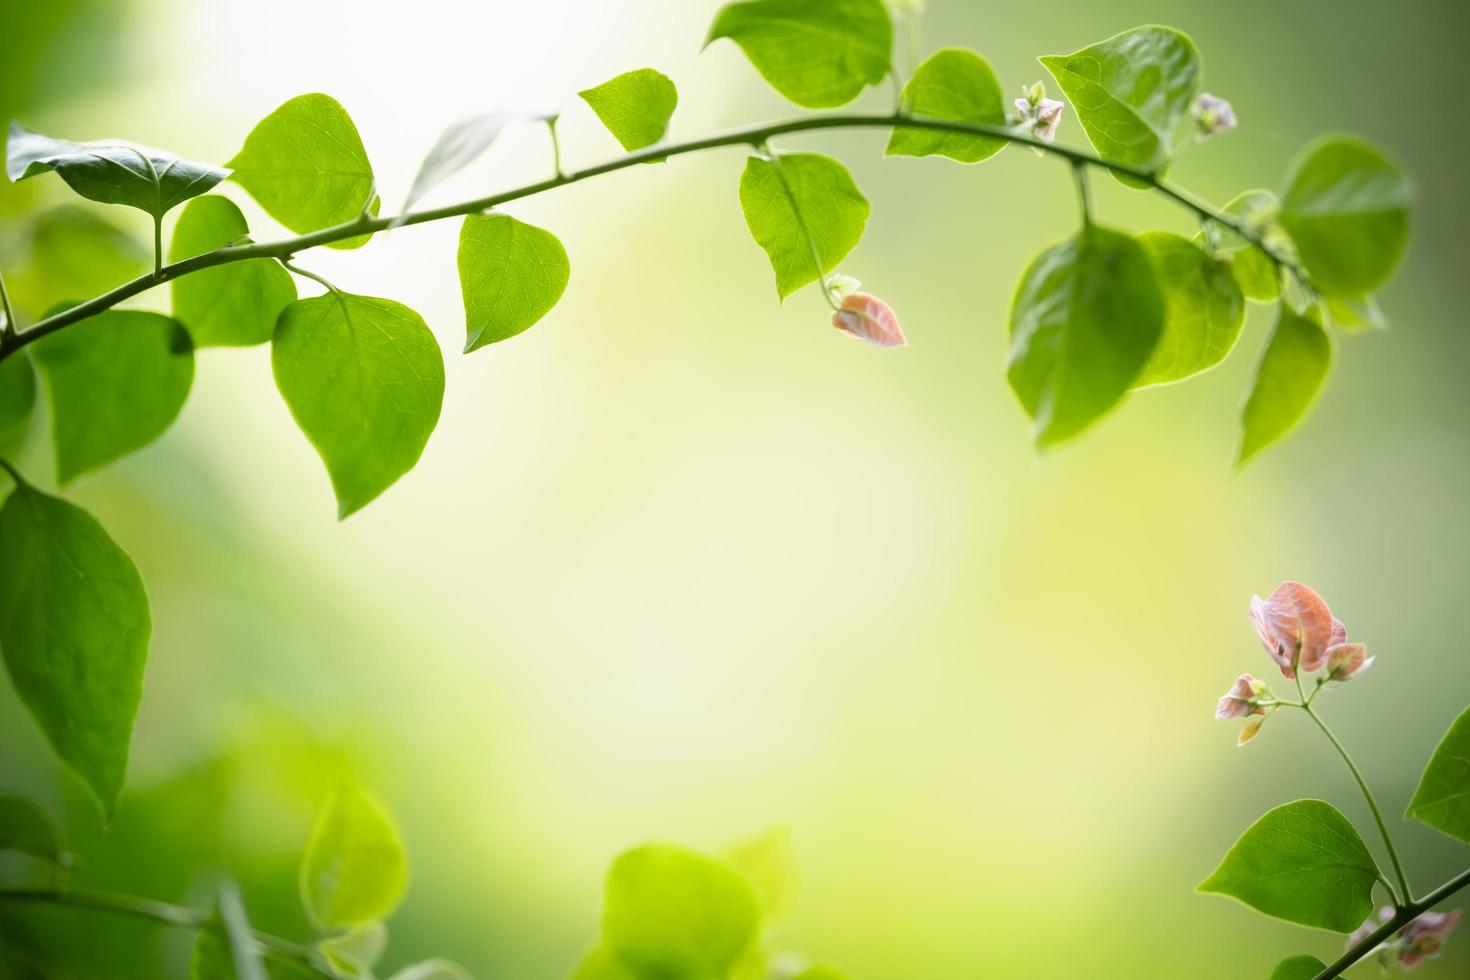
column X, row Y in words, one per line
column 1347, row 660
column 867, row 317
column 1240, row 700
column 1213, row 114
column 1295, row 626
column 1043, row 114
column 1423, row 937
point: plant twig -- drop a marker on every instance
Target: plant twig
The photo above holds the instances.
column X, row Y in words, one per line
column 1401, row 918
column 751, row 136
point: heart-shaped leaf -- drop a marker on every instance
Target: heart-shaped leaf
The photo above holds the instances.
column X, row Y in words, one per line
column 231, row 305
column 1443, row 798
column 354, row 869
column 511, row 275
column 1287, row 382
column 1203, row 309
column 364, row 379
column 111, row 171
column 801, row 208
column 959, row 86
column 635, row 106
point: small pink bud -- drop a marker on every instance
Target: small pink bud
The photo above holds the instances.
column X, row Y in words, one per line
column 1347, row 660
column 1248, row 731
column 1213, row 114
column 1423, row 937
column 1240, row 700
column 1295, row 626
column 1043, row 114
column 867, row 317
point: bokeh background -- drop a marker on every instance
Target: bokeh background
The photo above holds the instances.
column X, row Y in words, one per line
column 683, row 564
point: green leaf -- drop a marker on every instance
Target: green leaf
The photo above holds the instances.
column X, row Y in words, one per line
column 354, row 869
column 956, row 85
column 1443, row 798
column 458, row 146
column 233, row 305
column 1298, row 968
column 355, row 952
column 211, row 960
column 436, row 969
column 1129, row 93
column 635, row 106
column 820, row 973
column 1355, row 314
column 17, row 401
column 116, row 381
column 1302, row 862
column 1203, row 309
column 768, row 865
column 306, row 165
column 365, row 381
column 1085, row 321
column 817, row 53
column 75, row 252
column 511, row 275
column 1253, row 269
column 603, row 964
column 111, row 171
column 794, row 195
column 27, row 828
column 673, row 913
column 1287, row 383
column 1346, row 206
column 74, row 628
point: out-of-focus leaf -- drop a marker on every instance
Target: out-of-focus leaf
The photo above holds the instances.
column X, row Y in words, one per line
column 1298, row 968
column 1355, row 314
column 356, row 951
column 232, row 305
column 111, row 171
column 1203, row 309
column 458, row 146
column 1443, row 798
column 511, row 275
column 116, row 382
column 438, row 969
column 364, row 379
column 1129, row 93
column 673, row 913
column 1085, row 321
column 306, row 165
column 1346, row 206
column 768, row 865
column 17, row 401
column 796, row 195
column 27, row 828
column 1287, row 382
column 817, row 53
column 959, row 86
column 1253, row 269
column 74, row 627
column 635, row 106
column 354, row 869
column 1302, row 862
column 74, row 252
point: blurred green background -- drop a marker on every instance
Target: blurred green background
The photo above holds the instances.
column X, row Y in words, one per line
column 683, row 564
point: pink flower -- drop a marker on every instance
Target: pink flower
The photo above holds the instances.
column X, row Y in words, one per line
column 1213, row 114
column 1295, row 626
column 867, row 317
column 1240, row 700
column 1370, row 926
column 1044, row 115
column 1423, row 937
column 1347, row 660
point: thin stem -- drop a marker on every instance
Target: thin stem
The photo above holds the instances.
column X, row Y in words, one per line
column 800, row 222
column 158, row 245
column 555, row 146
column 1406, row 914
column 310, row 275
column 161, row 912
column 6, row 308
column 1393, row 854
column 751, row 136
column 1084, row 191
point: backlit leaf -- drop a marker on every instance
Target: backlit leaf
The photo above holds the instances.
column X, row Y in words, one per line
column 111, row 171
column 17, row 401
column 1346, row 206
column 1298, row 968
column 354, row 869
column 1443, row 798
column 1287, row 382
column 817, row 53
column 1253, row 269
column 1130, row 91
column 355, row 952
column 635, row 106
column 673, row 913
column 365, row 381
column 116, row 382
column 74, row 252
column 226, row 305
column 768, row 865
column 306, row 165
column 796, row 195
column 458, row 146
column 1203, row 309
column 511, row 275
column 74, row 627
column 959, row 86
column 1302, row 862
column 1085, row 321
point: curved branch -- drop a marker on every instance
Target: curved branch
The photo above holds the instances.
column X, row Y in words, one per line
column 161, row 912
column 1401, row 918
column 752, row 136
